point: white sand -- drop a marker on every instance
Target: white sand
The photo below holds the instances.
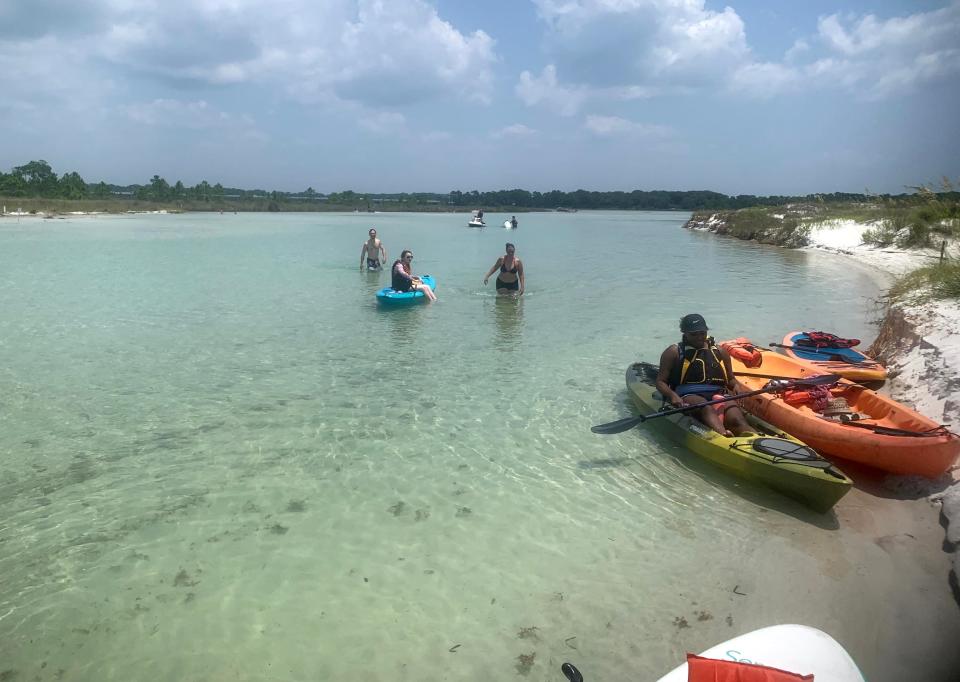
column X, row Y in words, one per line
column 927, row 377
column 846, row 237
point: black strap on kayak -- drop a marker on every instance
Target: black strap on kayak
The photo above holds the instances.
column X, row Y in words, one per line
column 785, row 451
column 935, row 432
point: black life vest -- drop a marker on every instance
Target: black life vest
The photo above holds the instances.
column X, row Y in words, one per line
column 699, row 366
column 398, row 282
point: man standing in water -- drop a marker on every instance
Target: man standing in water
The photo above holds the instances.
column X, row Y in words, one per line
column 695, row 371
column 373, row 252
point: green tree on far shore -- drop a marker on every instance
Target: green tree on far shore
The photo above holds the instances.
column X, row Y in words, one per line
column 72, row 186
column 37, row 180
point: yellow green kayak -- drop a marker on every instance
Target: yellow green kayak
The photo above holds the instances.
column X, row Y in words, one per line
column 769, row 457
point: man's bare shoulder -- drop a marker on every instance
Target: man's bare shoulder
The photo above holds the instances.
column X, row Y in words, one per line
column 668, row 356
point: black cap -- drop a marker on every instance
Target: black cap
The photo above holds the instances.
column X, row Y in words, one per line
column 693, row 323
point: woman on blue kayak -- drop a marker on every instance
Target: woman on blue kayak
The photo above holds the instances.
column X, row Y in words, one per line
column 403, row 279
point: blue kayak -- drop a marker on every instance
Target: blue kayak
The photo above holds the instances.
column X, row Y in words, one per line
column 823, row 353
column 391, row 297
column 849, row 363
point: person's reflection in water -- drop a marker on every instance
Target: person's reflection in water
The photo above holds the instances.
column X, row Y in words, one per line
column 508, row 315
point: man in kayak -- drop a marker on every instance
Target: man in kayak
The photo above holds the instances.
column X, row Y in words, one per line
column 403, row 279
column 695, row 371
column 373, row 252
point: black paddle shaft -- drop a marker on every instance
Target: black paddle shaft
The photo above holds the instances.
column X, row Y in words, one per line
column 812, row 381
column 628, row 423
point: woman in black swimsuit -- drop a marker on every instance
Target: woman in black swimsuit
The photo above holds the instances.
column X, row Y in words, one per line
column 510, row 279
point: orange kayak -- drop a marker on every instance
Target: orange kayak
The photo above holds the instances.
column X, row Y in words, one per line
column 870, row 428
column 847, row 362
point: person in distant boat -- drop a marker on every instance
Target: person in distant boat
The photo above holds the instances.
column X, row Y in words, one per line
column 513, row 222
column 510, row 279
column 480, row 215
column 695, row 371
column 403, row 279
column 373, row 252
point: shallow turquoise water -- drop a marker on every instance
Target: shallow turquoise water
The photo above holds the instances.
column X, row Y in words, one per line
column 219, row 459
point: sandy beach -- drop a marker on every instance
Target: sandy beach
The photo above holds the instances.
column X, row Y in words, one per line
column 917, row 521
column 925, row 371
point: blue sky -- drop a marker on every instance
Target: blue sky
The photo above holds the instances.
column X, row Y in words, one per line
column 758, row 96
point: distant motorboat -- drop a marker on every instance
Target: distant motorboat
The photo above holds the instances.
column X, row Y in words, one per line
column 476, row 222
column 561, row 209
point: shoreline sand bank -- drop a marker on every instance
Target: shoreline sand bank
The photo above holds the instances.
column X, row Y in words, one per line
column 920, row 343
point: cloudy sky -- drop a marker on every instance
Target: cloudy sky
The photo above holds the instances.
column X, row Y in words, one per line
column 749, row 96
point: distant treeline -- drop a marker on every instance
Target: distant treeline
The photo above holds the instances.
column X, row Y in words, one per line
column 37, row 180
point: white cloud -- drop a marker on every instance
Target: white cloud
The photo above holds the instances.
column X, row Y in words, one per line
column 193, row 115
column 866, row 57
column 608, row 126
column 880, row 58
column 628, row 49
column 869, row 34
column 516, row 130
column 175, row 114
column 765, row 79
column 47, row 77
column 366, row 51
column 384, row 122
column 797, row 50
column 437, row 136
column 545, row 90
column 603, row 43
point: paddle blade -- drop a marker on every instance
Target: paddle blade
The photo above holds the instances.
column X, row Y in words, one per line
column 618, row 426
column 571, row 673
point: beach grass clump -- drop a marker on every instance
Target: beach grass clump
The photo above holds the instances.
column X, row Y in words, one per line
column 937, row 215
column 940, row 281
column 885, row 232
column 768, row 226
column 916, row 229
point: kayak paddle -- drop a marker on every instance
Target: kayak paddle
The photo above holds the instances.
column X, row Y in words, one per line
column 765, row 376
column 891, row 431
column 628, row 423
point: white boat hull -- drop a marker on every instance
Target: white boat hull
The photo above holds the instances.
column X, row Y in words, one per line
column 794, row 648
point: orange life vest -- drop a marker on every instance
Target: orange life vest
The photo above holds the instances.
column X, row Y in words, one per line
column 743, row 350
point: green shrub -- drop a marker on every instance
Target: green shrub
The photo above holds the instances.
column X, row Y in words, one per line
column 949, row 227
column 917, row 235
column 762, row 225
column 940, row 281
column 927, row 214
column 885, row 232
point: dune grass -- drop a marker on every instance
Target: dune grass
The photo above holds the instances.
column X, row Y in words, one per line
column 933, row 282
